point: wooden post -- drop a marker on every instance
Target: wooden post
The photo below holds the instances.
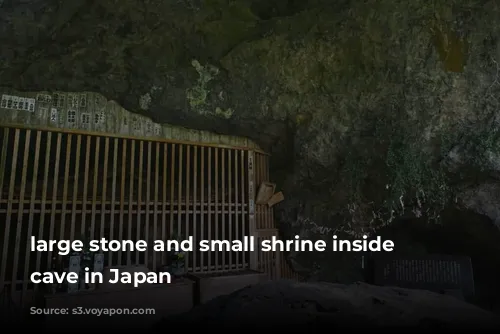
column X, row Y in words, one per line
column 251, row 209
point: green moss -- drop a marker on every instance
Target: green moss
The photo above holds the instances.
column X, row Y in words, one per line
column 197, row 95
column 228, row 113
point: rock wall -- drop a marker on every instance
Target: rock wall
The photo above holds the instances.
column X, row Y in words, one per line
column 373, row 110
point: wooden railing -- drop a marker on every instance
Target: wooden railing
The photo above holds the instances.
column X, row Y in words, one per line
column 60, row 185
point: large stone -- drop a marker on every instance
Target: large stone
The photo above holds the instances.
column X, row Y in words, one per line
column 359, row 102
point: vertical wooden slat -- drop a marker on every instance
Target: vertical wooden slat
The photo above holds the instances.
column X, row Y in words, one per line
column 251, row 206
column 54, row 196
column 224, row 235
column 187, row 198
column 34, row 181
column 262, row 179
column 148, row 201
column 230, row 209
column 257, row 184
column 243, row 205
column 217, row 209
column 155, row 199
column 268, row 209
column 265, row 212
column 75, row 186
column 104, row 188
column 94, row 189
column 62, row 227
column 263, row 222
column 271, row 210
column 139, row 199
column 209, row 201
column 113, row 199
column 41, row 228
column 131, row 199
column 85, row 187
column 223, row 198
column 179, row 194
column 3, row 159
column 20, row 212
column 10, row 196
column 236, row 205
column 202, row 208
column 256, row 179
column 172, row 188
column 164, row 200
column 195, row 202
column 122, row 198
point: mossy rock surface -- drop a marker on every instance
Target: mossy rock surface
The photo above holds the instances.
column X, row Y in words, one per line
column 370, row 109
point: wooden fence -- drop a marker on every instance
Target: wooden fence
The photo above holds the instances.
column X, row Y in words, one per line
column 70, row 185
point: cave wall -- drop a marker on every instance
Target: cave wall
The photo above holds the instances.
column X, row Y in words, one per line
column 372, row 110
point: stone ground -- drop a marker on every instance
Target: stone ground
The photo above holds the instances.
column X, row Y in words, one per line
column 284, row 304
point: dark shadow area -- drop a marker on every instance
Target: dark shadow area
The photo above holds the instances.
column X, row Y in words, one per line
column 461, row 233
